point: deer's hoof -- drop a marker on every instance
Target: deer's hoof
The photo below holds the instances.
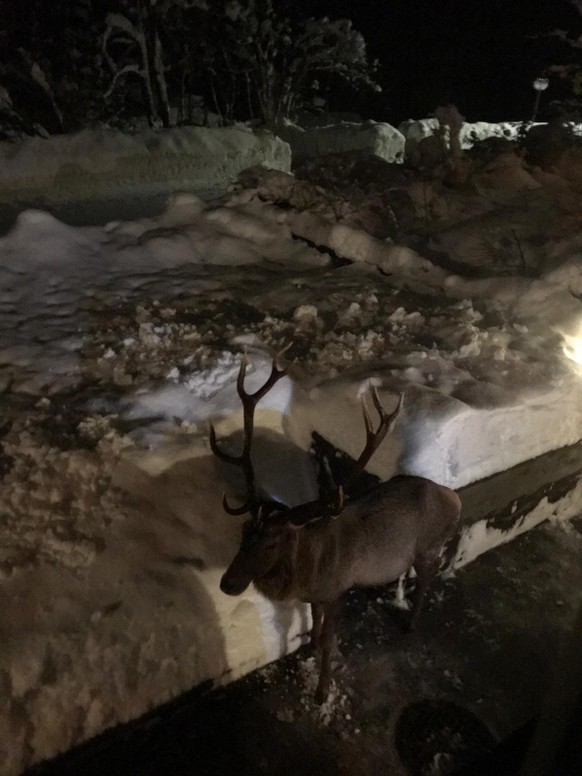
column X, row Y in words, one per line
column 321, row 695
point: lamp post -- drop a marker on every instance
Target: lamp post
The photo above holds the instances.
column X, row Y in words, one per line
column 540, row 85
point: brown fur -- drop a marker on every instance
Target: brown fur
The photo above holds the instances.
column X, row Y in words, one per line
column 397, row 525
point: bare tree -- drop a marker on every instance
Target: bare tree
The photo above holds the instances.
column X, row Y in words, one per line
column 260, row 59
column 133, row 46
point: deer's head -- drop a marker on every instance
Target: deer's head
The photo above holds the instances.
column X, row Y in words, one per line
column 267, row 532
column 264, row 538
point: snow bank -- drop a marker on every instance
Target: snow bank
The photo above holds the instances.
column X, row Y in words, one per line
column 119, row 344
column 471, row 132
column 481, row 537
column 494, row 365
column 95, row 162
column 109, row 595
column 381, row 139
column 376, row 138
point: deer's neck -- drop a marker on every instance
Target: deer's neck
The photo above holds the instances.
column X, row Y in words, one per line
column 278, row 583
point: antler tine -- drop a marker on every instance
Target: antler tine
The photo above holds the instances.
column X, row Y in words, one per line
column 236, row 460
column 240, row 378
column 249, row 402
column 336, row 507
column 234, row 510
column 276, row 374
column 217, row 451
column 374, row 438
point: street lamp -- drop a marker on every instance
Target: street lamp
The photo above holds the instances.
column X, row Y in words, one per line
column 540, row 85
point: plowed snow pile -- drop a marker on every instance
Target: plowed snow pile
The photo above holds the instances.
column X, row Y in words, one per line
column 118, row 344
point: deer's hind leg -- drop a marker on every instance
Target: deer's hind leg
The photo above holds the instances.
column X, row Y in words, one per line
column 326, row 646
column 426, row 567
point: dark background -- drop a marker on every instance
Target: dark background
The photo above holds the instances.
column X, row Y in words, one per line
column 477, row 54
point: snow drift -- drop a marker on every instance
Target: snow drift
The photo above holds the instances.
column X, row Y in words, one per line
column 376, row 138
column 118, row 344
column 93, row 162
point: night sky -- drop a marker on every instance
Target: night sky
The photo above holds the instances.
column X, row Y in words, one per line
column 475, row 53
column 478, row 54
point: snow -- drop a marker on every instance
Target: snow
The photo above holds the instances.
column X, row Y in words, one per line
column 94, row 162
column 382, row 139
column 119, row 343
column 471, row 132
column 480, row 537
column 375, row 137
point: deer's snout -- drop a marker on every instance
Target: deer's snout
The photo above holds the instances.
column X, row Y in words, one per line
column 232, row 586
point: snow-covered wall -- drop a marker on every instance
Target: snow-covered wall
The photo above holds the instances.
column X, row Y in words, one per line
column 123, row 612
column 471, row 131
column 417, row 129
column 97, row 162
column 112, row 534
column 381, row 139
column 374, row 137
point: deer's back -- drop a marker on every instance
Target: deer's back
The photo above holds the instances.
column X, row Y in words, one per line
column 377, row 536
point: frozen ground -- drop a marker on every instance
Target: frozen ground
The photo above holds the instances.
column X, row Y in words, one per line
column 118, row 344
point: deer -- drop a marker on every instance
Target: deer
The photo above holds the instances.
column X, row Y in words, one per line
column 317, row 551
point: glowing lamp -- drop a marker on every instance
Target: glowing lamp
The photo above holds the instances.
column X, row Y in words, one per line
column 540, row 85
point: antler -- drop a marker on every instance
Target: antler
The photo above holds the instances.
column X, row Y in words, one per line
column 243, row 461
column 333, row 505
column 374, row 438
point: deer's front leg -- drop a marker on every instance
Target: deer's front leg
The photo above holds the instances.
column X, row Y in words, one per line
column 426, row 567
column 326, row 645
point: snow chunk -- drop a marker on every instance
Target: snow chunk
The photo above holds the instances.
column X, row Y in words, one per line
column 376, row 138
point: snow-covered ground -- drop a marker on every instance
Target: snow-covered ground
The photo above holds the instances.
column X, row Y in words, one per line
column 384, row 140
column 375, row 137
column 94, row 163
column 119, row 344
column 471, row 132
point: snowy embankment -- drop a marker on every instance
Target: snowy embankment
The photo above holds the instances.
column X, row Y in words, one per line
column 119, row 344
column 471, row 131
column 374, row 137
column 97, row 163
column 382, row 139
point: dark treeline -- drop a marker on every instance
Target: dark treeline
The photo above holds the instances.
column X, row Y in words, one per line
column 66, row 65
column 70, row 64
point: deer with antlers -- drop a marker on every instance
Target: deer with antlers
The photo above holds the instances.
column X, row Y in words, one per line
column 317, row 551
